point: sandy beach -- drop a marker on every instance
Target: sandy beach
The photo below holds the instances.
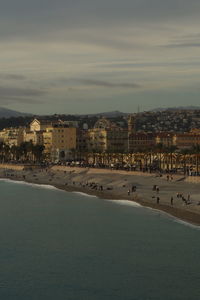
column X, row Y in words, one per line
column 113, row 184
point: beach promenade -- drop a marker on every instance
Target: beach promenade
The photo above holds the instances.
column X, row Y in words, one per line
column 175, row 195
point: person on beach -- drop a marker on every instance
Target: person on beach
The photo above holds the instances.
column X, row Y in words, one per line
column 172, row 201
column 133, row 188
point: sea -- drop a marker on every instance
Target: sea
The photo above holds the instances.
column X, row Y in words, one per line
column 72, row 246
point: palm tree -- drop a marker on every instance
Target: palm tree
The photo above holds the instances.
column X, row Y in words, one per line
column 171, row 150
column 6, row 152
column 196, row 151
column 184, row 153
column 14, row 152
column 37, row 151
column 159, row 148
column 2, row 151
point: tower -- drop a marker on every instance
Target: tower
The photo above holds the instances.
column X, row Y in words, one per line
column 131, row 124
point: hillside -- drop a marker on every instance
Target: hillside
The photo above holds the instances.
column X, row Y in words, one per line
column 8, row 113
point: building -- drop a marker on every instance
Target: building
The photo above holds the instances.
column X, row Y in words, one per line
column 132, row 124
column 165, row 138
column 106, row 136
column 34, row 137
column 12, row 136
column 186, row 140
column 47, row 142
column 141, row 141
column 81, row 143
column 60, row 142
column 42, row 124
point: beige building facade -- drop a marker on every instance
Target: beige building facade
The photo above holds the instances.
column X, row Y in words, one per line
column 186, row 140
column 107, row 137
column 60, row 142
column 12, row 136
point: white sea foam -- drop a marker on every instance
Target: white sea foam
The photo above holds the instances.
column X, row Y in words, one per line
column 126, row 202
column 157, row 211
column 84, row 194
column 46, row 186
column 119, row 202
column 173, row 218
column 187, row 224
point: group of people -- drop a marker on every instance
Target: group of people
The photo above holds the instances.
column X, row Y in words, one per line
column 133, row 189
column 91, row 185
column 169, row 177
column 186, row 201
column 156, row 188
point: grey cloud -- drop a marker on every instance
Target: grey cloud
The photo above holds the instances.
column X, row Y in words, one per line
column 39, row 17
column 97, row 9
column 183, row 45
column 9, row 92
column 130, row 65
column 106, row 84
column 19, row 100
column 45, row 39
column 192, row 40
column 12, row 76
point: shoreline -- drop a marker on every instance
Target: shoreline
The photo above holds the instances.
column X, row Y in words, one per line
column 48, row 178
column 180, row 216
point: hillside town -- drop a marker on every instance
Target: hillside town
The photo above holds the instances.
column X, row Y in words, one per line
column 119, row 144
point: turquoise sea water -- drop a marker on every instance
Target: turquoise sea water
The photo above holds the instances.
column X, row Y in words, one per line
column 58, row 245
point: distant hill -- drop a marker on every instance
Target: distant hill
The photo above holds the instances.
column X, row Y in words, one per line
column 110, row 114
column 176, row 108
column 8, row 113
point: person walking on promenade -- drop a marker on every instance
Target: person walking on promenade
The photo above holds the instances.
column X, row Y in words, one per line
column 157, row 200
column 128, row 192
column 172, row 201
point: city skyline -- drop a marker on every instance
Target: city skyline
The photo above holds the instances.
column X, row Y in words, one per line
column 90, row 56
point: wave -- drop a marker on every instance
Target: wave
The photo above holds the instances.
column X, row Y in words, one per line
column 119, row 202
column 157, row 211
column 173, row 218
column 187, row 224
column 85, row 194
column 126, row 202
column 46, row 186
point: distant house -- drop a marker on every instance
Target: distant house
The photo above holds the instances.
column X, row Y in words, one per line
column 42, row 124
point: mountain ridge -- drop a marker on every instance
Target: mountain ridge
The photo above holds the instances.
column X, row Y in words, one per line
column 8, row 113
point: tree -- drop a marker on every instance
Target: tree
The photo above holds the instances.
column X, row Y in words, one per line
column 37, row 151
column 196, row 151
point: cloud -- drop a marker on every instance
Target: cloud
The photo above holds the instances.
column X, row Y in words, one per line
column 20, row 95
column 100, row 48
column 12, row 76
column 106, row 84
column 43, row 18
column 184, row 41
column 183, row 45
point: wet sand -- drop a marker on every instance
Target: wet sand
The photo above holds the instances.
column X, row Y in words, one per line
column 112, row 184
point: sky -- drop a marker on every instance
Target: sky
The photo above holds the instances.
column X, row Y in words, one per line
column 88, row 56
